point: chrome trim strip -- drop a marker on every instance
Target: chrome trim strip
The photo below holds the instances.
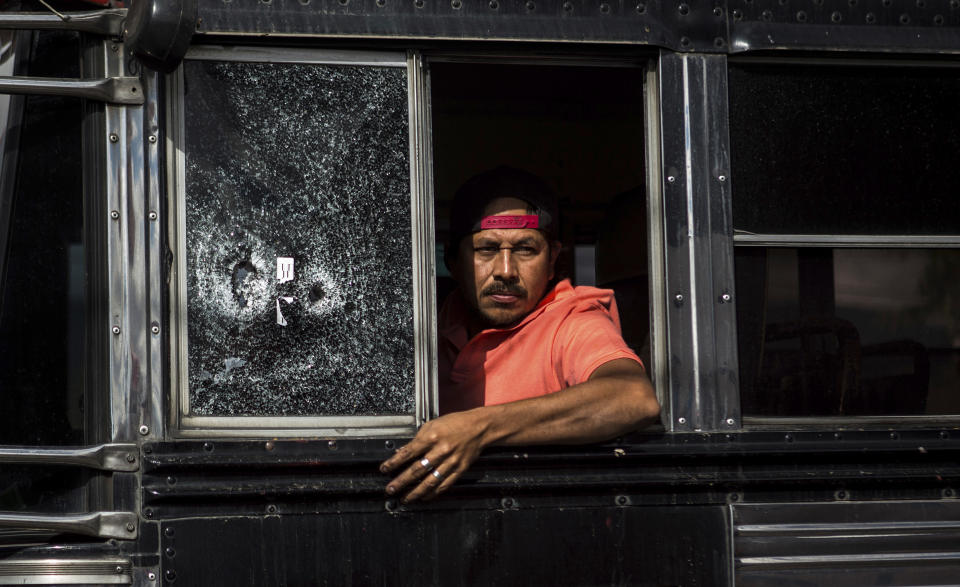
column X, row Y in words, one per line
column 844, row 240
column 655, row 218
column 299, row 55
column 62, row 571
column 101, row 22
column 885, row 559
column 423, row 243
column 848, row 421
column 121, row 525
column 845, row 527
column 116, row 90
column 105, row 457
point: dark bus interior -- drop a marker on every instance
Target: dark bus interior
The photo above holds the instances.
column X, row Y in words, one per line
column 580, row 128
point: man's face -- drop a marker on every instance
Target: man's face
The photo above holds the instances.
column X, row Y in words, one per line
column 503, row 273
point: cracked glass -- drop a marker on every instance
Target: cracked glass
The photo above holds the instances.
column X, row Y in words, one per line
column 299, row 288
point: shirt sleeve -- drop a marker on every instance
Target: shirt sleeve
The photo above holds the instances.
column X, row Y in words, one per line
column 588, row 338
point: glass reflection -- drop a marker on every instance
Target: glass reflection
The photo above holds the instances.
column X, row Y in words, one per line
column 848, row 331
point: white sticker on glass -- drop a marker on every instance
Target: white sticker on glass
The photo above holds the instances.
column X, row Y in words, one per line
column 280, row 319
column 284, row 269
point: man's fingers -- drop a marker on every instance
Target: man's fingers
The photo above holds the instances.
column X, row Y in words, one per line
column 411, row 450
column 415, row 472
column 429, row 486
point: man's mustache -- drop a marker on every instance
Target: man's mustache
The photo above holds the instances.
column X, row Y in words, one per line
column 504, row 288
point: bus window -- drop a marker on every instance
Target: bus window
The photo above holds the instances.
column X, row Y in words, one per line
column 578, row 128
column 296, row 288
column 846, row 240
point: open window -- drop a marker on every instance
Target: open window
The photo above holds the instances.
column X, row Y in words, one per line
column 578, row 126
column 847, row 242
column 299, row 296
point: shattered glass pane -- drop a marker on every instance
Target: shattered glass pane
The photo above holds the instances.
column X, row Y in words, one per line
column 298, row 240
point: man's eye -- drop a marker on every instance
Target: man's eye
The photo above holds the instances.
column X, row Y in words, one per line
column 486, row 250
column 525, row 251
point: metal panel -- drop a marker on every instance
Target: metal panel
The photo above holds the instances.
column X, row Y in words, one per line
column 580, row 546
column 699, row 244
column 869, row 25
column 889, row 543
column 685, row 26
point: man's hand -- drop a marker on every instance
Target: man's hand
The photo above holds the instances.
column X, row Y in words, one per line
column 440, row 452
column 617, row 398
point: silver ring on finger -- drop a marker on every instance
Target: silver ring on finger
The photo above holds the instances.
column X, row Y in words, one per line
column 425, row 463
column 437, row 474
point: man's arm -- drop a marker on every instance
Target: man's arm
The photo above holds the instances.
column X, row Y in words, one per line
column 617, row 398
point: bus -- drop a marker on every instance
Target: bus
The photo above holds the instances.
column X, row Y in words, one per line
column 222, row 226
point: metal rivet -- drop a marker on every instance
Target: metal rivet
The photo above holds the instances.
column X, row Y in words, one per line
column 208, row 446
column 685, row 41
column 871, row 18
column 113, row 137
column 671, row 179
column 144, row 430
column 622, row 500
column 155, row 329
column 841, row 495
column 737, row 14
column 721, row 178
column 507, row 502
column 944, row 435
column 418, row 3
column 788, row 438
column 390, row 505
column 381, row 3
column 169, row 532
column 170, row 552
column 114, row 214
column 115, row 330
column 904, row 18
column 835, row 16
column 894, row 436
column 766, row 15
column 332, row 444
column 152, row 215
column 171, row 480
column 268, row 445
column 719, row 42
column 130, row 527
column 388, row 445
column 801, row 16
column 170, row 575
column 725, row 298
column 948, row 492
column 641, row 8
column 148, row 512
column 494, row 4
column 681, row 420
column 718, row 12
column 568, row 7
column 530, row 5
column 938, row 20
column 678, row 299
column 604, row 8
column 837, row 436
column 683, row 9
column 131, row 458
column 152, row 138
column 730, row 422
column 271, row 509
column 114, row 48
column 456, row 4
column 152, row 576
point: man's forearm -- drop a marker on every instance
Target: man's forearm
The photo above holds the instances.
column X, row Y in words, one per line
column 618, row 398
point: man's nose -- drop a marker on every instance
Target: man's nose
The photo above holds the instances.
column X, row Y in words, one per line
column 505, row 266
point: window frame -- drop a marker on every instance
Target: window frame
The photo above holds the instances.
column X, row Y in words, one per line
column 181, row 423
column 840, row 241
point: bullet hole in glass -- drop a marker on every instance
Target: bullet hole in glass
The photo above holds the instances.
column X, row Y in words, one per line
column 243, row 274
column 316, row 293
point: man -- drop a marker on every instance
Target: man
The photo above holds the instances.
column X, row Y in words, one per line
column 523, row 359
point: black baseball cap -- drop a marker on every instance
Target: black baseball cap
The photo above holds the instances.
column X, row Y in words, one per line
column 503, row 182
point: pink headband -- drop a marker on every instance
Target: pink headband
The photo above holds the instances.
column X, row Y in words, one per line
column 506, row 221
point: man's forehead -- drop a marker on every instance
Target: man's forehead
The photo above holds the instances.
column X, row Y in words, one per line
column 506, row 205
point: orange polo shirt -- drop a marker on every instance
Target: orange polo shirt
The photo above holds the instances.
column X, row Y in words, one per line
column 570, row 333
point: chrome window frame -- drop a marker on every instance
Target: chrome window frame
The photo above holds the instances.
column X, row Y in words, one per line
column 423, row 262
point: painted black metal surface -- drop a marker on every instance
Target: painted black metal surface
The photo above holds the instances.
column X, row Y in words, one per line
column 681, row 25
column 250, row 478
column 720, row 26
column 508, row 546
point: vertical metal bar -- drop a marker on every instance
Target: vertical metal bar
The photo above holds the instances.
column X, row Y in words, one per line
column 151, row 403
column 698, row 241
column 658, row 309
column 424, row 266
